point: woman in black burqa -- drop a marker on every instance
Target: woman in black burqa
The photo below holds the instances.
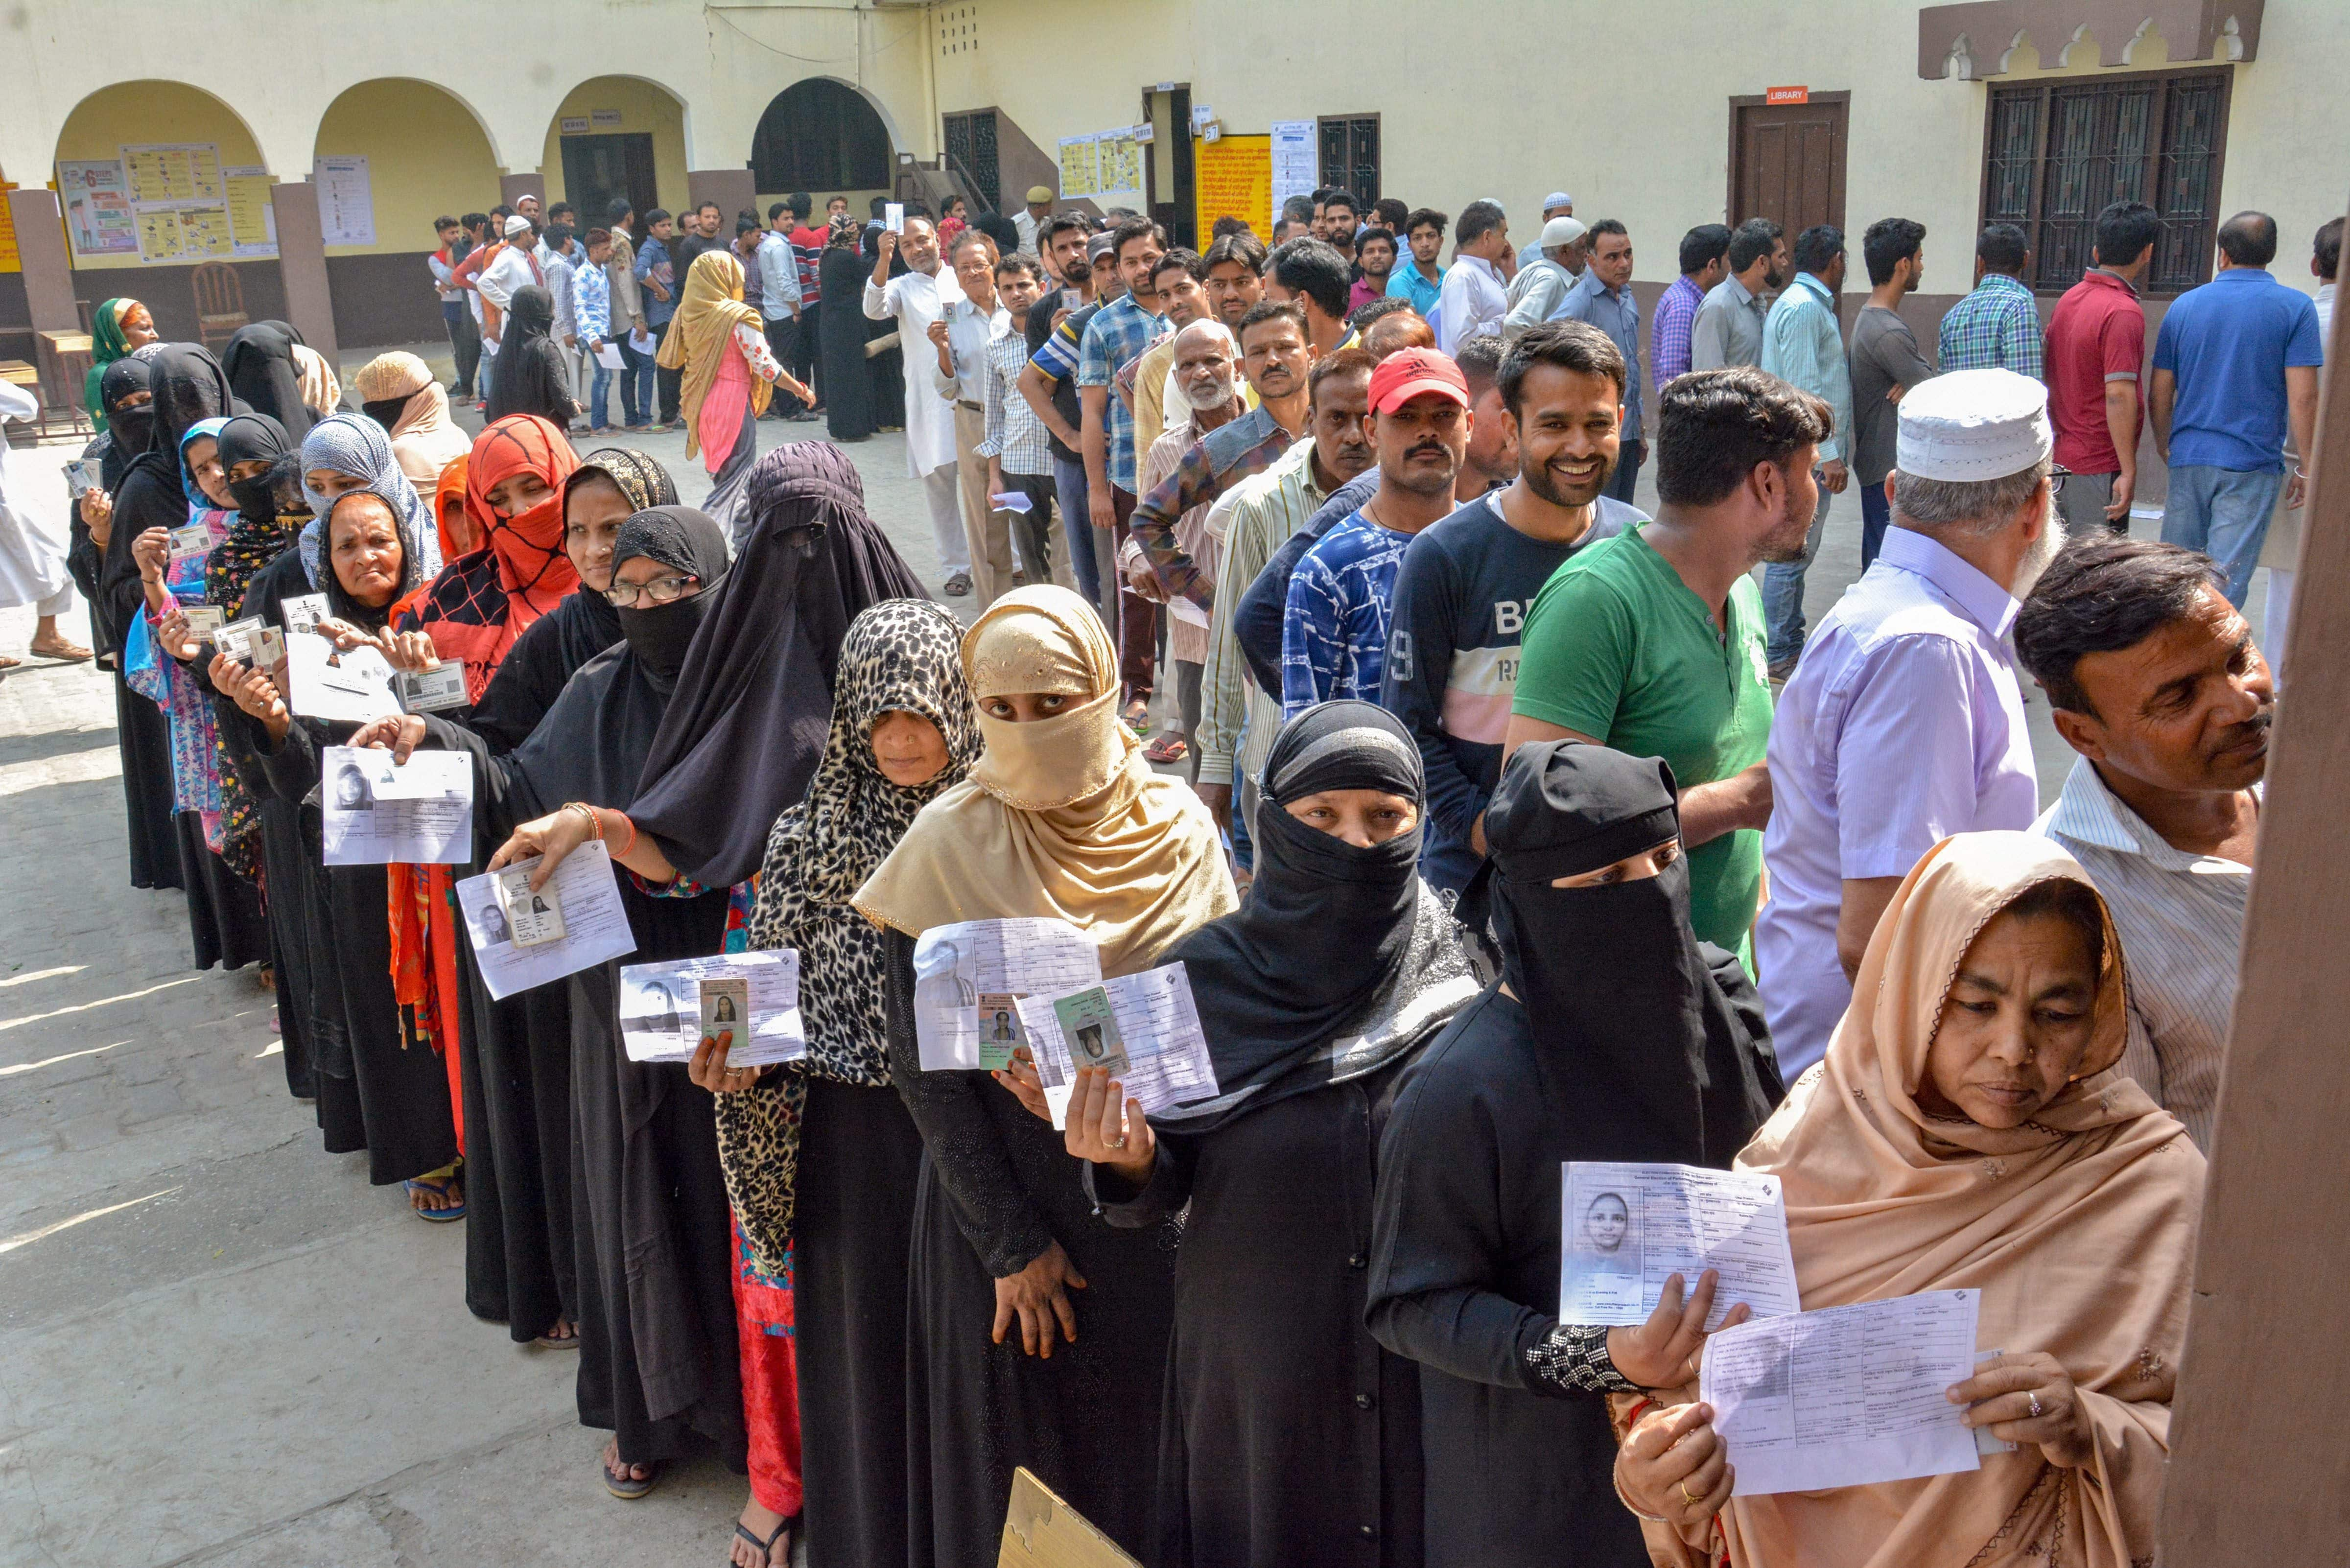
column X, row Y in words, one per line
column 531, row 377
column 259, row 364
column 1612, row 1035
column 1290, row 1434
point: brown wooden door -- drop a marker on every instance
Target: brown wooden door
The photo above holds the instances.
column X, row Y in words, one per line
column 1786, row 161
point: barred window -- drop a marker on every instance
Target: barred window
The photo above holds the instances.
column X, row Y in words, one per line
column 2060, row 150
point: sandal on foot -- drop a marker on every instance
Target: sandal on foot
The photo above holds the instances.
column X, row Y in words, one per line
column 64, row 652
column 438, row 1186
column 549, row 1342
column 1167, row 748
column 628, row 1488
column 768, row 1545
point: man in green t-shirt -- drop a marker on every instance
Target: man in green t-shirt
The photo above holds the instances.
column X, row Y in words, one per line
column 1652, row 642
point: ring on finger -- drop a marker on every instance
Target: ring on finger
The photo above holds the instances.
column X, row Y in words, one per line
column 1118, row 1142
column 1692, row 1501
column 2035, row 1406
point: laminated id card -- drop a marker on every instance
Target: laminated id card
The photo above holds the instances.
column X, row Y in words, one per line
column 430, row 690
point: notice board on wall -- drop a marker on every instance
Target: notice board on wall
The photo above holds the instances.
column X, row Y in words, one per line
column 1233, row 174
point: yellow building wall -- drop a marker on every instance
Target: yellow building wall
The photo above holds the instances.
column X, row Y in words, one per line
column 150, row 111
column 643, row 108
column 427, row 156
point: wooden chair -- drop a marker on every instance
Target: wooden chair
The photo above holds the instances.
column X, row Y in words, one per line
column 220, row 302
column 1040, row 1530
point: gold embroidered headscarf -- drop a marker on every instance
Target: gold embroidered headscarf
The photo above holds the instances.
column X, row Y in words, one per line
column 1061, row 817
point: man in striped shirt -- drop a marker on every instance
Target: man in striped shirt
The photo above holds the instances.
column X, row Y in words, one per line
column 2155, row 681
column 807, row 242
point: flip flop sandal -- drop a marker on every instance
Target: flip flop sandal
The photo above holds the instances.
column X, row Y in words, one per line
column 1166, row 749
column 439, row 1190
column 547, row 1342
column 768, row 1545
column 627, row 1488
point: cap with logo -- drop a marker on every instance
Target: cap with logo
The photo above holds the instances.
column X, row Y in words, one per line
column 1411, row 372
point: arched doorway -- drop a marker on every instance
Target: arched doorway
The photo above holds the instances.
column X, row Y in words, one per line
column 616, row 138
column 427, row 156
column 157, row 180
column 822, row 137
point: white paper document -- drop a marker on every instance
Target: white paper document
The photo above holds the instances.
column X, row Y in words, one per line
column 381, row 813
column 608, row 356
column 352, row 687
column 968, row 978
column 1628, row 1228
column 662, row 1007
column 1848, row 1396
column 596, row 924
column 1009, row 500
column 303, row 611
column 1155, row 1027
column 642, row 342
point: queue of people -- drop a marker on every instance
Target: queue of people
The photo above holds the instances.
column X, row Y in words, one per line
column 1469, row 788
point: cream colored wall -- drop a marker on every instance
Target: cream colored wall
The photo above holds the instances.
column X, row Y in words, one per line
column 143, row 111
column 1633, row 121
column 427, row 156
column 643, row 108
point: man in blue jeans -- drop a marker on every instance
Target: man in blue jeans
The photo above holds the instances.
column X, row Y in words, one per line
column 2235, row 361
column 1802, row 345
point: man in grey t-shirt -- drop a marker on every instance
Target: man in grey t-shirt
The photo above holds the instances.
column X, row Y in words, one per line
column 1885, row 364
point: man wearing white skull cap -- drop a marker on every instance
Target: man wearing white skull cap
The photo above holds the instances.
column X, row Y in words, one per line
column 1904, row 721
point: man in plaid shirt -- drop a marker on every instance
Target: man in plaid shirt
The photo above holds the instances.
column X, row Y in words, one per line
column 1996, row 328
column 1705, row 252
column 1019, row 458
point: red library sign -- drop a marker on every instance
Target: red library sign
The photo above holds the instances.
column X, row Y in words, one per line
column 1788, row 94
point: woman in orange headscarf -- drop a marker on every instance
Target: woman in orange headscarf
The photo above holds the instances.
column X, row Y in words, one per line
column 1968, row 1130
column 456, row 524
column 721, row 344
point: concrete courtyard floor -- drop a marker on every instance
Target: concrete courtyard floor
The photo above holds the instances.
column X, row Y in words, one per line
column 219, row 1346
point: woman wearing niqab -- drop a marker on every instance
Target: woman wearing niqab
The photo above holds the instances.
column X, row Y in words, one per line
column 262, row 371
column 1314, row 997
column 1060, row 819
column 536, row 380
column 1613, row 1033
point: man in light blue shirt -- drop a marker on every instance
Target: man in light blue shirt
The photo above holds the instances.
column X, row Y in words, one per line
column 1802, row 345
column 1904, row 724
column 1603, row 296
column 779, row 300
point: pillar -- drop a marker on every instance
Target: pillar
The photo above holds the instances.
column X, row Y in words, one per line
column 733, row 189
column 513, row 187
column 48, row 280
column 302, row 266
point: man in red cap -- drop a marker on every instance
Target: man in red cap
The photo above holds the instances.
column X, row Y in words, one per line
column 1335, row 628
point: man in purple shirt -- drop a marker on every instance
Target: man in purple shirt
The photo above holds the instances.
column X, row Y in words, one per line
column 1904, row 721
column 1705, row 261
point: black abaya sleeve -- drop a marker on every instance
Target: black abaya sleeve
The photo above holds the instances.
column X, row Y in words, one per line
column 991, row 1204
column 528, row 681
column 1438, row 1246
column 1161, row 1195
column 139, row 506
column 496, row 808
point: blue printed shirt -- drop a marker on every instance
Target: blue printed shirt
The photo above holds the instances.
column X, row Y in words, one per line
column 1333, row 633
column 591, row 300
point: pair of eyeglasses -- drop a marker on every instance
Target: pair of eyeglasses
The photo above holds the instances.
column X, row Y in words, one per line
column 659, row 591
column 2057, row 474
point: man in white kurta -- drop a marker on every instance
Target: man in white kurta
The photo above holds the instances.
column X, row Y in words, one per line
column 914, row 299
column 32, row 542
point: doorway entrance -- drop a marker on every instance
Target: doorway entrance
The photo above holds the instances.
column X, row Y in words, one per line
column 598, row 167
column 1786, row 161
column 1167, row 162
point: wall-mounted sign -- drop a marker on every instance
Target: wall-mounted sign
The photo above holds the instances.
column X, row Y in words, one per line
column 605, row 118
column 1145, row 132
column 1788, row 94
column 575, row 125
column 1166, row 86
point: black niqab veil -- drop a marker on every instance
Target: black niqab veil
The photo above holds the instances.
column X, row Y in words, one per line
column 591, row 745
column 747, row 726
column 1613, row 983
column 131, row 429
column 259, row 363
column 1341, row 960
column 189, row 387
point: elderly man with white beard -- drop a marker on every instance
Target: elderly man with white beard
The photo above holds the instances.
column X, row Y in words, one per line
column 1903, row 724
column 1206, row 375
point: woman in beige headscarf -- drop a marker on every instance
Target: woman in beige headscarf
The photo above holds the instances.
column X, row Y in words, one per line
column 1967, row 1131
column 397, row 391
column 721, row 344
column 1060, row 818
column 322, row 392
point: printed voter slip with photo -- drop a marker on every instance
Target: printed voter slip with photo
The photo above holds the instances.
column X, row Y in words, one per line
column 352, row 687
column 667, row 1009
column 518, row 944
column 377, row 812
column 1847, row 1395
column 1626, row 1229
column 303, row 611
column 1145, row 1028
column 969, row 976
